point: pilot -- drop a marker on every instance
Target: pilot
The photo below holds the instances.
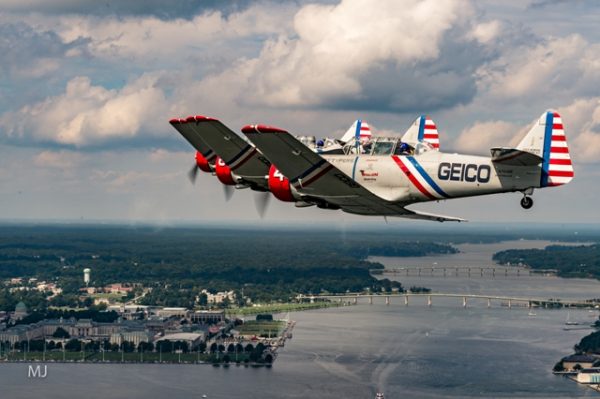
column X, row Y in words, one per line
column 366, row 147
column 320, row 144
column 403, row 149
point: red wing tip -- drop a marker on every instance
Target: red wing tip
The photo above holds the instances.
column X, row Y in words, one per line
column 199, row 118
column 262, row 129
column 556, row 115
column 174, row 121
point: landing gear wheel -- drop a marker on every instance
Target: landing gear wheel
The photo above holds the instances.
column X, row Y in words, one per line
column 527, row 202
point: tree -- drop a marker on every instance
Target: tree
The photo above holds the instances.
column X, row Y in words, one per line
column 559, row 367
column 74, row 345
column 203, row 299
column 249, row 348
column 61, row 333
column 231, row 348
column 213, row 347
column 146, row 347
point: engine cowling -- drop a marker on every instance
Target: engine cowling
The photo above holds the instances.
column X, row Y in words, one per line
column 202, row 163
column 223, row 172
column 280, row 185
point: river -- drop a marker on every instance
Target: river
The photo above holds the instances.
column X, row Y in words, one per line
column 443, row 351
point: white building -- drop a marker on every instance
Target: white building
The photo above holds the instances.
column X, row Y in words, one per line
column 589, row 376
column 86, row 275
column 218, row 297
column 192, row 339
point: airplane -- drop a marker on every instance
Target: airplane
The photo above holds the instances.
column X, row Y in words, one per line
column 383, row 175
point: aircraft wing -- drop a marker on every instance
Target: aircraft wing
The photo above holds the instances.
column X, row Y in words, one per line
column 240, row 156
column 319, row 181
column 186, row 130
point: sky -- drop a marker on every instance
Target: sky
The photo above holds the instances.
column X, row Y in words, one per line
column 87, row 89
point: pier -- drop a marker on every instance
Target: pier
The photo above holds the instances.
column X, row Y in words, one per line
column 405, row 298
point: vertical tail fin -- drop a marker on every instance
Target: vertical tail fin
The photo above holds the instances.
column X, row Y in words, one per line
column 547, row 139
column 360, row 130
column 422, row 129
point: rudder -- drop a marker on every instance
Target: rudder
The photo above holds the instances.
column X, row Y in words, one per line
column 547, row 139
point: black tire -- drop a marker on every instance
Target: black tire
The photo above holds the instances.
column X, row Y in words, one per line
column 527, row 202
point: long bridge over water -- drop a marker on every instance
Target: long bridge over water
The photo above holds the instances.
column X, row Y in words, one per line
column 405, row 298
column 469, row 271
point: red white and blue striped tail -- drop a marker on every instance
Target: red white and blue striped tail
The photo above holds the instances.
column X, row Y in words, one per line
column 557, row 164
column 360, row 130
column 548, row 140
column 423, row 129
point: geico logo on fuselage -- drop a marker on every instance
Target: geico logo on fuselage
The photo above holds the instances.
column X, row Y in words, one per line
column 468, row 172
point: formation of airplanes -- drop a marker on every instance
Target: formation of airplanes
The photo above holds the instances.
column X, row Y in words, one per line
column 363, row 174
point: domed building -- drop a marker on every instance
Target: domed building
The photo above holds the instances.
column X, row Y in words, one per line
column 20, row 311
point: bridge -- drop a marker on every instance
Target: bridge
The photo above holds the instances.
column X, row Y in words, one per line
column 404, row 297
column 469, row 271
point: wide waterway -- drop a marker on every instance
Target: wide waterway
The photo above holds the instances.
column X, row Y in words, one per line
column 444, row 351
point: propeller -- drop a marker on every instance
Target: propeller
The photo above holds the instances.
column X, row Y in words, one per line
column 228, row 191
column 261, row 201
column 193, row 173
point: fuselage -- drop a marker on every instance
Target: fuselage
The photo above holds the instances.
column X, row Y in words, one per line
column 434, row 175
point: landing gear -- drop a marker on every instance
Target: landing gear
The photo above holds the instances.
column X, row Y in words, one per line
column 526, row 202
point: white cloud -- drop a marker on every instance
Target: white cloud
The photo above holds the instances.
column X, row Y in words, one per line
column 558, row 67
column 486, row 32
column 582, row 127
column 481, row 136
column 334, row 45
column 63, row 159
column 86, row 114
column 148, row 37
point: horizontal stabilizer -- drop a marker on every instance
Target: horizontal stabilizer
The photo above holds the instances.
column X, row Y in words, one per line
column 513, row 156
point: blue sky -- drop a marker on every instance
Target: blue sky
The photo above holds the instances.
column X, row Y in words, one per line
column 87, row 89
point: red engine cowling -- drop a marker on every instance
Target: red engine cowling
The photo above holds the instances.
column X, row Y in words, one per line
column 202, row 163
column 280, row 185
column 223, row 172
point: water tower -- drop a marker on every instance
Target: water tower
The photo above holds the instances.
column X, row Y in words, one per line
column 86, row 276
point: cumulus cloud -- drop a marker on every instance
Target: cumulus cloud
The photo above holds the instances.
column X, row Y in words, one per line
column 481, row 136
column 86, row 114
column 30, row 53
column 150, row 37
column 552, row 69
column 337, row 50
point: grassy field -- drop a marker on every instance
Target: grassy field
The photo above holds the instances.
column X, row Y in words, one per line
column 259, row 328
column 135, row 357
column 280, row 308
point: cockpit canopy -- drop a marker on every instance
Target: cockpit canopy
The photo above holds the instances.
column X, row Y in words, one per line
column 386, row 146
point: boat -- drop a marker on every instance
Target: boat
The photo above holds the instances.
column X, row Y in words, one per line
column 569, row 322
column 379, row 395
column 532, row 313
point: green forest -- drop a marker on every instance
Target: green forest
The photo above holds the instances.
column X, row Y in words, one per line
column 179, row 262
column 569, row 261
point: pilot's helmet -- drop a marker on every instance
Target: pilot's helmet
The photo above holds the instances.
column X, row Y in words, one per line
column 404, row 147
column 320, row 143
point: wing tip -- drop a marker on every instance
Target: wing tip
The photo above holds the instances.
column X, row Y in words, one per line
column 192, row 118
column 262, row 129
